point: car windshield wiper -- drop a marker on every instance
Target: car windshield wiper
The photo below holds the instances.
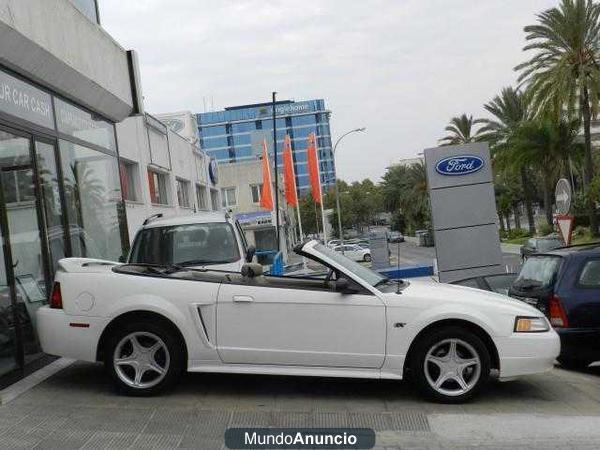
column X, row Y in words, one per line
column 195, row 262
column 527, row 284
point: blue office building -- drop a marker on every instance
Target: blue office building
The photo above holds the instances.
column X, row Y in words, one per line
column 236, row 133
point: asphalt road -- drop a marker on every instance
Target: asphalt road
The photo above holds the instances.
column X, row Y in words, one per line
column 409, row 253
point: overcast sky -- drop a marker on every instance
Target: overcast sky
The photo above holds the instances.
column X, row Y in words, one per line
column 401, row 68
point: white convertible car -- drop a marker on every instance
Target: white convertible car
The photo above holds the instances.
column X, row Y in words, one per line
column 149, row 323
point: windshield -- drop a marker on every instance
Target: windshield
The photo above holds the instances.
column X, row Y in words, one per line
column 371, row 277
column 538, row 272
column 191, row 244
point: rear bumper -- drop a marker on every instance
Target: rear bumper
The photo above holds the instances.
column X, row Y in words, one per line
column 69, row 336
column 527, row 353
column 580, row 343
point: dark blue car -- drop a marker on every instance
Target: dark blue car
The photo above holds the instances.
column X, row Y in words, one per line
column 565, row 285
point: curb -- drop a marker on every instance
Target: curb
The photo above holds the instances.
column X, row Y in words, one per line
column 20, row 387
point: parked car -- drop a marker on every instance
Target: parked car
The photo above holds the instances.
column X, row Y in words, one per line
column 333, row 243
column 149, row 323
column 565, row 285
column 499, row 283
column 540, row 244
column 395, row 237
column 354, row 252
column 197, row 240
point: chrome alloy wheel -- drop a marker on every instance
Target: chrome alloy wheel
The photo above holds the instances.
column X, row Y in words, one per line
column 141, row 360
column 452, row 367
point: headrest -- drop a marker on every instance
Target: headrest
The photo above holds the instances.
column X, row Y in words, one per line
column 252, row 270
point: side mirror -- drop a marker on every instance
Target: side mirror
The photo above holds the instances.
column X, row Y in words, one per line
column 251, row 270
column 250, row 252
column 345, row 286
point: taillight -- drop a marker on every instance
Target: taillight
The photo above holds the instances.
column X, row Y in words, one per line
column 558, row 315
column 56, row 297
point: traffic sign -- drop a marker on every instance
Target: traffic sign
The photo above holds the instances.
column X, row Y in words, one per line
column 562, row 196
column 565, row 227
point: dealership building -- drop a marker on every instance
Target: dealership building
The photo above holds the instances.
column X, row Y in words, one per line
column 70, row 106
column 235, row 135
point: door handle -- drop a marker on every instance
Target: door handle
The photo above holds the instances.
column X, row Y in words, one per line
column 243, row 298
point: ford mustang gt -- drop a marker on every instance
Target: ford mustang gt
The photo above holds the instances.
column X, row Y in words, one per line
column 149, row 323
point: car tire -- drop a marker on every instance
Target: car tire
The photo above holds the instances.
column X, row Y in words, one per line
column 367, row 258
column 573, row 363
column 157, row 350
column 435, row 368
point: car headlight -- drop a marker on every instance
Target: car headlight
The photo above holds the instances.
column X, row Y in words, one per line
column 531, row 325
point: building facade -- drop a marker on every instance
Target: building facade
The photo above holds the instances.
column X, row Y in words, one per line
column 163, row 172
column 241, row 185
column 64, row 83
column 235, row 135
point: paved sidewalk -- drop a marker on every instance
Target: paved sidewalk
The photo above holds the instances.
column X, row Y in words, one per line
column 77, row 408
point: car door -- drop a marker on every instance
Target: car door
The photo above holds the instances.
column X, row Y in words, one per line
column 287, row 321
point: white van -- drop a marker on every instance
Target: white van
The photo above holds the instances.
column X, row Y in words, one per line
column 199, row 240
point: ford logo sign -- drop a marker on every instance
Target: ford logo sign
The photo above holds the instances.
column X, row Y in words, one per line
column 459, row 165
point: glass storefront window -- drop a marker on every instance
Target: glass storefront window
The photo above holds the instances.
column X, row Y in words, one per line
column 88, row 8
column 81, row 124
column 48, row 176
column 93, row 197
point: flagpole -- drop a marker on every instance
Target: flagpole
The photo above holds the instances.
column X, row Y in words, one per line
column 320, row 191
column 276, row 175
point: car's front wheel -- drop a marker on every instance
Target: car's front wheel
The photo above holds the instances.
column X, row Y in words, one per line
column 450, row 365
column 144, row 358
column 367, row 258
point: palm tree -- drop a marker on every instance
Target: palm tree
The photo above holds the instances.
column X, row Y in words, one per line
column 545, row 145
column 404, row 189
column 461, row 131
column 510, row 109
column 564, row 72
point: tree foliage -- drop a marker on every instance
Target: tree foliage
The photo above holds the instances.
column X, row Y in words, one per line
column 404, row 190
column 462, row 130
column 563, row 75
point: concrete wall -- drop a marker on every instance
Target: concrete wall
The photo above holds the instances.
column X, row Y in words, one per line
column 241, row 175
column 54, row 44
column 187, row 162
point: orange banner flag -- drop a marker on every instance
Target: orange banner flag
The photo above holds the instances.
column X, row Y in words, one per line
column 289, row 177
column 266, row 193
column 313, row 167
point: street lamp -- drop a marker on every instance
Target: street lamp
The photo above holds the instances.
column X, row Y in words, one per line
column 337, row 191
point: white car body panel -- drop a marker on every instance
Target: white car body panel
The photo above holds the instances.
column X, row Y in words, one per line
column 300, row 327
column 274, row 330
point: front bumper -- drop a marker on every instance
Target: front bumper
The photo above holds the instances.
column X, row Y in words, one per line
column 527, row 353
column 69, row 336
column 580, row 343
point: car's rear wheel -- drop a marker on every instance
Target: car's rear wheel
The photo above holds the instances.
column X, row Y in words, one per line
column 144, row 358
column 450, row 365
column 367, row 258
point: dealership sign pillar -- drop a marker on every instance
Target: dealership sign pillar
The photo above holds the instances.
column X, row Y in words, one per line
column 463, row 211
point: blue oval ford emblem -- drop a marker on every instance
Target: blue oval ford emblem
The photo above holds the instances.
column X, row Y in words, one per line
column 459, row 165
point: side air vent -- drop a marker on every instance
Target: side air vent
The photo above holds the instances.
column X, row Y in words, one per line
column 203, row 324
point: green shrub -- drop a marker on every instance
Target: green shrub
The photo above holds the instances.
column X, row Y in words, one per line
column 545, row 229
column 514, row 234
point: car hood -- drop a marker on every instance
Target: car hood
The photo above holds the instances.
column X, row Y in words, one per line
column 477, row 298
